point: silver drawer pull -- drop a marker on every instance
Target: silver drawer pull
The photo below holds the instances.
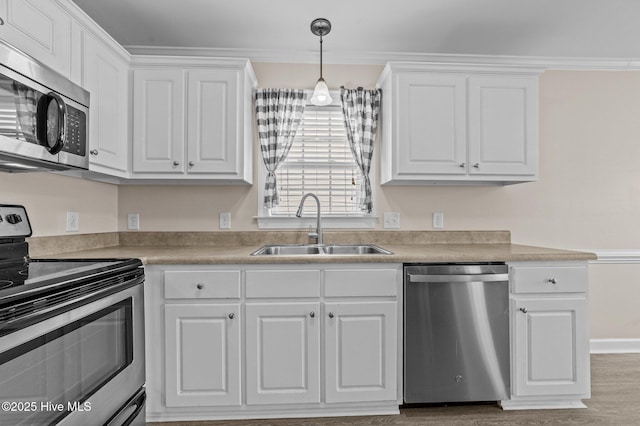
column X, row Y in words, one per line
column 231, row 315
column 330, row 314
column 200, row 286
column 524, row 310
column 552, row 280
column 312, row 314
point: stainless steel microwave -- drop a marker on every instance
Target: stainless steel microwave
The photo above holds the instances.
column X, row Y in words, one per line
column 44, row 117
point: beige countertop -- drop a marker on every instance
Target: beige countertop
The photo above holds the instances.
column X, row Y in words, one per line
column 402, row 253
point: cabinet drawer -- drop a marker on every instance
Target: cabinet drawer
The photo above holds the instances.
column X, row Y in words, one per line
column 360, row 282
column 202, row 284
column 293, row 283
column 551, row 279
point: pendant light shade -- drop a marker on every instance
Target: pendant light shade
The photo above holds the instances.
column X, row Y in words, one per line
column 321, row 96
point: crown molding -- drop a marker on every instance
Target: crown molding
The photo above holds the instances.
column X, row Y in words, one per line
column 380, row 58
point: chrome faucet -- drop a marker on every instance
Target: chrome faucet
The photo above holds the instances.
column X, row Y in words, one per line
column 318, row 234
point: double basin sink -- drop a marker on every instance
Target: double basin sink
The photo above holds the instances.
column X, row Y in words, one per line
column 319, row 249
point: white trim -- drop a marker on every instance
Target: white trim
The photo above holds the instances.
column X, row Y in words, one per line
column 350, row 57
column 541, row 404
column 613, row 256
column 614, row 346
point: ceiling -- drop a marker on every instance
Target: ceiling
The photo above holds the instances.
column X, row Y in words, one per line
column 279, row 29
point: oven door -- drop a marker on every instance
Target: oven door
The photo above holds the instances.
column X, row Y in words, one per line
column 81, row 367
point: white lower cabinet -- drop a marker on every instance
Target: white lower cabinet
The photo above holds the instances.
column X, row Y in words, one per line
column 283, row 353
column 549, row 335
column 361, row 353
column 202, row 354
column 251, row 341
column 550, row 347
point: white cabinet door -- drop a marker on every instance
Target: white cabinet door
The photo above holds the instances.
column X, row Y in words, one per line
column 283, row 353
column 361, row 348
column 105, row 76
column 39, row 28
column 202, row 355
column 212, row 119
column 158, row 120
column 431, row 125
column 551, row 346
column 503, row 130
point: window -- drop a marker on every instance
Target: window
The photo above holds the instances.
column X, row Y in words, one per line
column 320, row 161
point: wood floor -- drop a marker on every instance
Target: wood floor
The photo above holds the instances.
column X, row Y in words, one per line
column 615, row 401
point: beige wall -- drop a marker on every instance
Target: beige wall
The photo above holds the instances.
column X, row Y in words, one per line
column 47, row 198
column 588, row 195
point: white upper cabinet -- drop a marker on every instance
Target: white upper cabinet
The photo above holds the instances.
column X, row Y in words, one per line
column 105, row 74
column 158, row 121
column 39, row 28
column 503, row 126
column 431, row 124
column 458, row 124
column 193, row 120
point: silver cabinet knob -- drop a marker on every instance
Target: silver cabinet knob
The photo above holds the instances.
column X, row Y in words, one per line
column 231, row 315
column 312, row 314
column 191, row 164
column 176, row 163
column 463, row 165
column 477, row 165
column 552, row 280
column 93, row 152
column 200, row 286
column 330, row 314
column 524, row 310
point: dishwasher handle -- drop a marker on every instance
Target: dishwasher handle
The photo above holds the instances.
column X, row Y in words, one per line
column 466, row 278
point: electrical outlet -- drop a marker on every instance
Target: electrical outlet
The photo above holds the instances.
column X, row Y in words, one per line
column 133, row 221
column 438, row 220
column 225, row 220
column 391, row 220
column 73, row 221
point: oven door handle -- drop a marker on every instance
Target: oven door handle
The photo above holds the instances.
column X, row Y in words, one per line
column 129, row 411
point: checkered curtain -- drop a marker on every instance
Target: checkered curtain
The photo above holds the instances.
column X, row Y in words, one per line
column 278, row 113
column 361, row 109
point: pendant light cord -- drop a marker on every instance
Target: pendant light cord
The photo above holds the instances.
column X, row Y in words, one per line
column 320, row 56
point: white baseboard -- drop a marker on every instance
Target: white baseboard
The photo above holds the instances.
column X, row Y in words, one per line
column 614, row 346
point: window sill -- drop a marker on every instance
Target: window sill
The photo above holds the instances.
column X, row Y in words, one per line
column 334, row 222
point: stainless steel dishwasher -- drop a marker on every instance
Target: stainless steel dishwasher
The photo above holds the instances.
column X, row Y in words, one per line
column 456, row 333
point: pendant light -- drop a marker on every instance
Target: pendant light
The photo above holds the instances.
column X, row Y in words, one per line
column 321, row 27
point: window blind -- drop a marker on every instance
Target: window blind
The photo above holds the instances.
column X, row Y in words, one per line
column 320, row 161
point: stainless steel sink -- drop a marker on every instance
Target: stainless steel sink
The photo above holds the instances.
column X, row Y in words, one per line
column 287, row 250
column 314, row 249
column 355, row 249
